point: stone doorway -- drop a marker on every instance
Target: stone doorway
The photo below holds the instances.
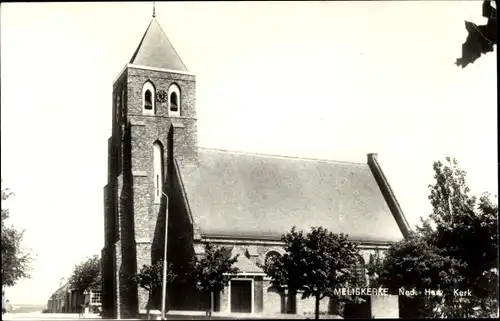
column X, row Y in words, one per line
column 241, row 296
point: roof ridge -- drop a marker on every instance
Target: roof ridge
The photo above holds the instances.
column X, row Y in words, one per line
column 281, row 156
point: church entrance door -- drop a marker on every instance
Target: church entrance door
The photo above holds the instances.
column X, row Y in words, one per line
column 241, row 296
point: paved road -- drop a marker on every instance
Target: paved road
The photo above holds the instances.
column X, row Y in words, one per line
column 46, row 316
column 201, row 316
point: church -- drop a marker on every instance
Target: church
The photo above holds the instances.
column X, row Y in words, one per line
column 240, row 200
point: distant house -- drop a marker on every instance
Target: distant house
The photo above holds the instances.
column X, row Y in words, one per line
column 67, row 300
column 57, row 302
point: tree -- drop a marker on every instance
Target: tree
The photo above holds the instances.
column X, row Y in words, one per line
column 466, row 231
column 316, row 263
column 86, row 275
column 286, row 271
column 15, row 261
column 488, row 281
column 480, row 39
column 213, row 270
column 454, row 249
column 415, row 266
column 150, row 278
column 331, row 261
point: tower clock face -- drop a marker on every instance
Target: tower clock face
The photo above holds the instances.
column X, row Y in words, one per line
column 161, row 96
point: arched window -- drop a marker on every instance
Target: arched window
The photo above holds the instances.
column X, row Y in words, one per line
column 148, row 104
column 271, row 256
column 117, row 108
column 123, row 103
column 148, row 99
column 174, row 106
column 174, row 100
column 158, row 171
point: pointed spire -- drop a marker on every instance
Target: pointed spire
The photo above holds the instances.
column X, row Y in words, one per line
column 155, row 50
column 154, row 14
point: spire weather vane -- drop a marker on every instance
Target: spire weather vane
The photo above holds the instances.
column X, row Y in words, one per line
column 154, row 14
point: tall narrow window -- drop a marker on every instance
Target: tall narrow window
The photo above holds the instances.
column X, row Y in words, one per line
column 117, row 108
column 123, row 103
column 174, row 101
column 148, row 99
column 158, row 171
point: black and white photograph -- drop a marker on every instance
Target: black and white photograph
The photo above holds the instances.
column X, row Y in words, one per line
column 213, row 160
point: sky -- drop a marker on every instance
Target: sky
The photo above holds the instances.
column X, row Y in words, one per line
column 331, row 80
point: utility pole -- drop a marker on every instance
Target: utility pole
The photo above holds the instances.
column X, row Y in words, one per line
column 164, row 281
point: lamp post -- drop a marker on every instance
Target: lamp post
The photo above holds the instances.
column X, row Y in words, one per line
column 164, row 281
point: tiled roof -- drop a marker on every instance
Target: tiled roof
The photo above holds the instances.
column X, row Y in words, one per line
column 62, row 291
column 263, row 196
column 155, row 50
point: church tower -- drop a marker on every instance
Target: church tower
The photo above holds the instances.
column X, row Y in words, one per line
column 154, row 130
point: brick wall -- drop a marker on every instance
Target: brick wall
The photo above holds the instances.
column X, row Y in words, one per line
column 111, row 262
column 129, row 213
column 158, row 231
column 142, row 211
column 224, row 300
column 252, row 247
column 141, row 222
column 264, row 300
column 161, row 81
column 180, row 249
column 145, row 131
column 143, row 250
column 258, row 294
column 184, row 141
column 274, row 301
column 125, row 191
column 307, row 306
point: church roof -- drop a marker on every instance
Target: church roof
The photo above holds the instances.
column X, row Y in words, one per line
column 262, row 196
column 155, row 50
